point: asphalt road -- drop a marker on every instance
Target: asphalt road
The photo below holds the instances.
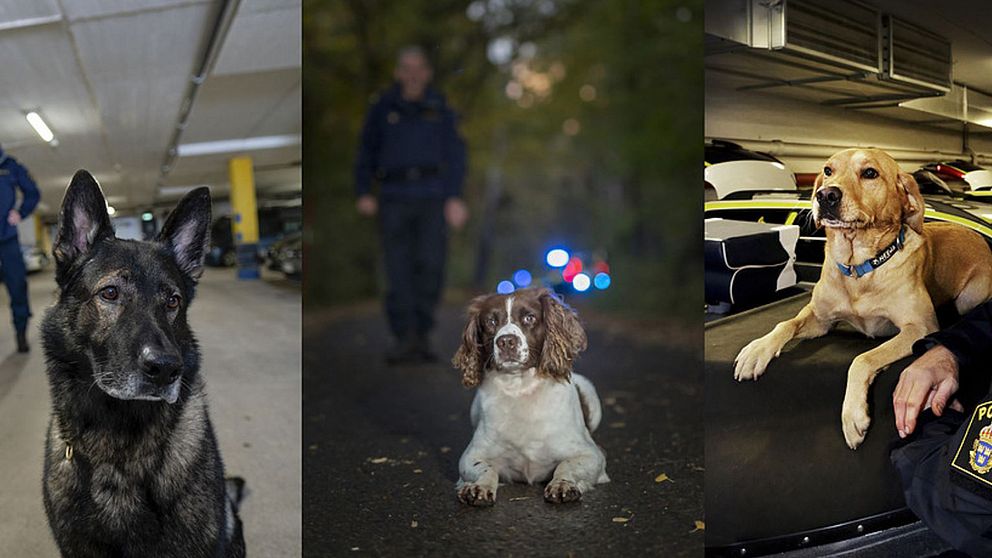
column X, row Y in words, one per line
column 381, row 448
column 249, row 333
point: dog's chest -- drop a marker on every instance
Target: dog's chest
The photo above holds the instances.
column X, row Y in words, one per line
column 529, row 434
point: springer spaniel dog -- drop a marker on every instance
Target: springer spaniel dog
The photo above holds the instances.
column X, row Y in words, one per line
column 533, row 416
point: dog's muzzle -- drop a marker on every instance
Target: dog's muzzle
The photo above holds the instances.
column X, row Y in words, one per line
column 510, row 345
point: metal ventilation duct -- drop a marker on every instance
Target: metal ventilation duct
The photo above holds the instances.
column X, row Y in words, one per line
column 842, row 31
column 914, row 55
column 831, row 52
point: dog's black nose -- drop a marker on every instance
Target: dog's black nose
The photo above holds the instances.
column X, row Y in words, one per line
column 507, row 342
column 159, row 366
column 829, row 196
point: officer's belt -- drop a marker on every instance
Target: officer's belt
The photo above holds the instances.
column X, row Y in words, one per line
column 407, row 174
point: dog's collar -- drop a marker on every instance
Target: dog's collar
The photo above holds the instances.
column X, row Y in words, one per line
column 872, row 264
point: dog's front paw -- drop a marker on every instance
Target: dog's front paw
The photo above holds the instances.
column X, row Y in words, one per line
column 476, row 494
column 855, row 421
column 560, row 491
column 753, row 359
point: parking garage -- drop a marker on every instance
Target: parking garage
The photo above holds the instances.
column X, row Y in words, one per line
column 156, row 99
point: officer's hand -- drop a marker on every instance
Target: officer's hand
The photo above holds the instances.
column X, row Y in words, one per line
column 929, row 382
column 367, row 205
column 14, row 217
column 456, row 213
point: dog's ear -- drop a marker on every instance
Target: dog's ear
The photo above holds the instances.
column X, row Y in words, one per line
column 468, row 358
column 186, row 231
column 83, row 222
column 912, row 202
column 564, row 340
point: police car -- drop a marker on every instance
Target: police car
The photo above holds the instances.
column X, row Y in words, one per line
column 564, row 271
column 778, row 471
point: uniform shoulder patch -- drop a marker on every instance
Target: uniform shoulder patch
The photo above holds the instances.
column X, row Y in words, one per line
column 974, row 456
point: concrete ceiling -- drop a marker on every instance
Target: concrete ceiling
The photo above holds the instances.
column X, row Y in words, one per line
column 964, row 23
column 110, row 77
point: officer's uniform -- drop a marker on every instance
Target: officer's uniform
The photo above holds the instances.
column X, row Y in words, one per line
column 413, row 151
column 946, row 464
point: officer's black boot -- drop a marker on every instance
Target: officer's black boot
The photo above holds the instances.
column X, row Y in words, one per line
column 424, row 349
column 22, row 342
column 403, row 351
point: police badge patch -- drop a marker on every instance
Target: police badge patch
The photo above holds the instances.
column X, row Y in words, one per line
column 974, row 455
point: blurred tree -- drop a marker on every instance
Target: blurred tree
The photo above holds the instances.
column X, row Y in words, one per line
column 584, row 125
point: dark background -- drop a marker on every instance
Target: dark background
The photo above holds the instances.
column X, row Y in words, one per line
column 625, row 185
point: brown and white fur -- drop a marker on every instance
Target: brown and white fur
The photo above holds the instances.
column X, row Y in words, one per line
column 863, row 200
column 533, row 416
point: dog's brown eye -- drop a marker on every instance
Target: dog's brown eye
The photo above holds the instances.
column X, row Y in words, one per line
column 869, row 173
column 109, row 293
column 173, row 302
column 827, row 171
column 529, row 319
column 491, row 321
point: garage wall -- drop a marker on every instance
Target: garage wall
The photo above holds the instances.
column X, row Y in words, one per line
column 810, row 132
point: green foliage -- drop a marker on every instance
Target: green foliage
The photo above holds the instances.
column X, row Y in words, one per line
column 627, row 183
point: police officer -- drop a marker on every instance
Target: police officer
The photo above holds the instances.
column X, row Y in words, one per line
column 943, row 410
column 13, row 177
column 411, row 148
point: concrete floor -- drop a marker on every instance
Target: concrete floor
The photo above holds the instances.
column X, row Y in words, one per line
column 382, row 447
column 250, row 335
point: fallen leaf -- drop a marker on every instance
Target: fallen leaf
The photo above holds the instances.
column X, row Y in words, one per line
column 445, row 449
column 313, row 447
column 378, row 460
column 518, row 498
column 662, row 478
column 413, row 524
column 621, row 519
column 418, row 471
column 700, row 526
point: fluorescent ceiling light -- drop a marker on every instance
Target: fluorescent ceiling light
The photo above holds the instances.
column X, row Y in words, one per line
column 36, row 122
column 181, row 190
column 237, row 145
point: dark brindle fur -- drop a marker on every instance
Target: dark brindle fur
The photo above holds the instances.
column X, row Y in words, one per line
column 131, row 462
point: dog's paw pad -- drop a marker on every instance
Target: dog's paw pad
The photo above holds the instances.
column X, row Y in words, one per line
column 476, row 495
column 561, row 492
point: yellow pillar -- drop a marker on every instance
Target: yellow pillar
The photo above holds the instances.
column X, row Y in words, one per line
column 244, row 215
column 41, row 235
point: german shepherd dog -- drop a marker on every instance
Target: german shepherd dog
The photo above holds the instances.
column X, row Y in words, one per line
column 131, row 462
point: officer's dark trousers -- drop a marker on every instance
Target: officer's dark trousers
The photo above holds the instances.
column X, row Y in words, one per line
column 14, row 277
column 959, row 516
column 414, row 241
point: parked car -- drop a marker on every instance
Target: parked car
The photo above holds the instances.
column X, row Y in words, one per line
column 286, row 255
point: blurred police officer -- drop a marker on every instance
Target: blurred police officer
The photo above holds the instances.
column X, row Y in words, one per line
column 943, row 411
column 410, row 146
column 14, row 177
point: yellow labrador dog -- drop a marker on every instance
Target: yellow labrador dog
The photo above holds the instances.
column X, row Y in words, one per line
column 884, row 272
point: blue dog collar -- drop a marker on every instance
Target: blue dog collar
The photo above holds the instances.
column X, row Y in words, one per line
column 883, row 256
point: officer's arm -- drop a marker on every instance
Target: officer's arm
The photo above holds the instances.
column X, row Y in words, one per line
column 454, row 156
column 29, row 190
column 970, row 340
column 368, row 152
